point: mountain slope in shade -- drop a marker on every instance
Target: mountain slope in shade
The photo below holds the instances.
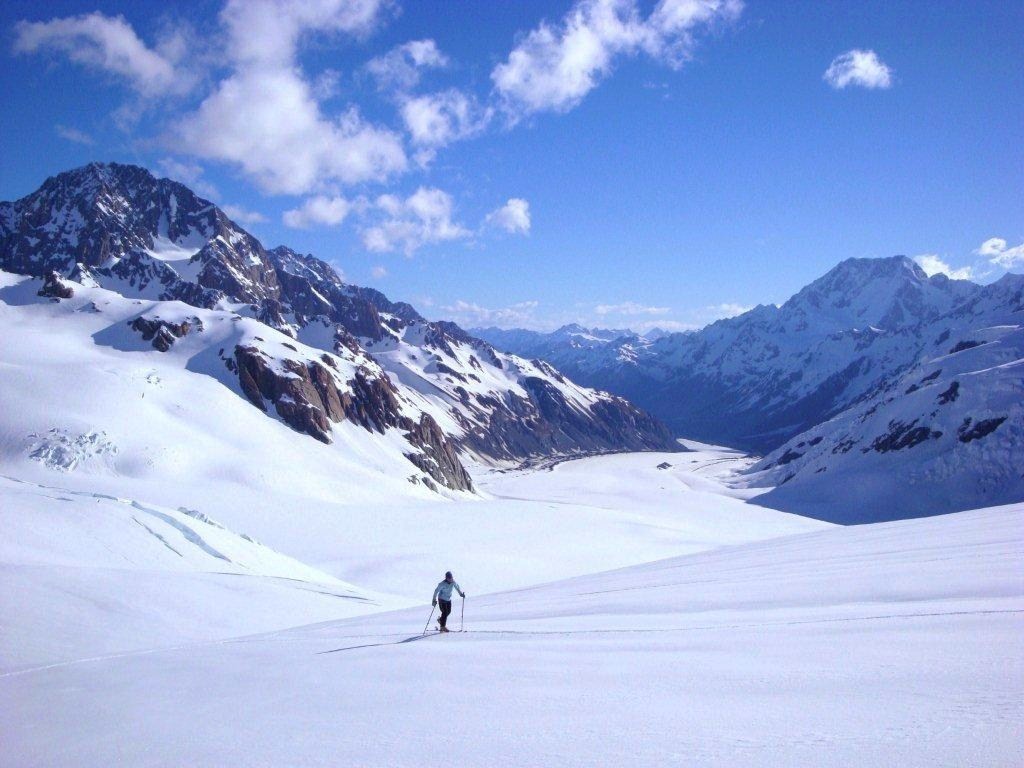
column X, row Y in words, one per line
column 759, row 378
column 119, row 228
column 947, row 434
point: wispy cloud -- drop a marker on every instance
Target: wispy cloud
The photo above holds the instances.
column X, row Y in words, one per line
column 998, row 252
column 858, row 68
column 400, row 68
column 108, row 44
column 932, row 264
column 190, row 174
column 629, row 309
column 322, row 210
column 243, row 215
column 556, row 65
column 469, row 314
column 74, row 135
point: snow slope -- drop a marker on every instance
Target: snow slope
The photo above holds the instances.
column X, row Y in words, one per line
column 86, row 574
column 946, row 434
column 889, row 644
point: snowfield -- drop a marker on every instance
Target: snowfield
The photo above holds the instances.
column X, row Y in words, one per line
column 185, row 581
column 889, row 644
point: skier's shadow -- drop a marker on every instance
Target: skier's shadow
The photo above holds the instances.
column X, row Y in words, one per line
column 412, row 639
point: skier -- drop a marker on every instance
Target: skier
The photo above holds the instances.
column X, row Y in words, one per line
column 443, row 592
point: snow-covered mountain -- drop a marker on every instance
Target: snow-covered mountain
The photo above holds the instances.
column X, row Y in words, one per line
column 757, row 379
column 878, row 392
column 945, row 434
column 289, row 335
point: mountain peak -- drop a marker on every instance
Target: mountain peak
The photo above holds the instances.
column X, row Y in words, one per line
column 861, row 292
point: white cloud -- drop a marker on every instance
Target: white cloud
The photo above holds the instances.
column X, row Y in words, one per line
column 189, row 174
column 727, row 309
column 326, row 85
column 74, row 135
column 555, row 66
column 437, row 119
column 265, row 116
column 996, row 251
column 406, row 225
column 327, row 211
column 400, row 68
column 108, row 44
column 469, row 314
column 932, row 264
column 857, row 67
column 379, row 273
column 243, row 215
column 513, row 216
column 629, row 308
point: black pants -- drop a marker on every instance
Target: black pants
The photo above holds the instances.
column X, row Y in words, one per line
column 446, row 608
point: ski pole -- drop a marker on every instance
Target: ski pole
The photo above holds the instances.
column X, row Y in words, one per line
column 462, row 620
column 429, row 618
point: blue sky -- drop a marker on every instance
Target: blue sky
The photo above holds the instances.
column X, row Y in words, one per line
column 613, row 162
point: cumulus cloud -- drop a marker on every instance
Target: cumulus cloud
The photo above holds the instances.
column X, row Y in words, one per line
column 996, row 250
column 243, row 215
column 556, row 65
column 437, row 119
column 265, row 117
column 932, row 264
column 860, row 68
column 323, row 210
column 108, row 44
column 400, row 68
column 629, row 308
column 406, row 225
column 379, row 273
column 513, row 216
column 74, row 135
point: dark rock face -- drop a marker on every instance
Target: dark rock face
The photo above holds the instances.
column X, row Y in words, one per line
column 439, row 459
column 110, row 219
column 979, row 429
column 542, row 424
column 162, row 333
column 307, row 398
column 902, row 436
column 55, row 288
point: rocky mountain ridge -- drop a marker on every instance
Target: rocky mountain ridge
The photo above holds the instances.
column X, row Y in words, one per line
column 119, row 228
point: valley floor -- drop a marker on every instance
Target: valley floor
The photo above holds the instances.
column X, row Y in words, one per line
column 770, row 640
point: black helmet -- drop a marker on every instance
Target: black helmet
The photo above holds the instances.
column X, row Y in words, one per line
column 448, row 575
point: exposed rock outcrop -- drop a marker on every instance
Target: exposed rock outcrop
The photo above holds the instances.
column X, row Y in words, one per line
column 307, row 397
column 54, row 287
column 162, row 333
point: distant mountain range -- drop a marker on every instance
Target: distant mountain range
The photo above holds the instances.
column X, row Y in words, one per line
column 876, row 391
column 331, row 352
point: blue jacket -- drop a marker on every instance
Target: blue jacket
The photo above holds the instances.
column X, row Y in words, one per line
column 444, row 590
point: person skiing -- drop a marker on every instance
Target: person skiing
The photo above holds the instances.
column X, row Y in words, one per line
column 443, row 594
